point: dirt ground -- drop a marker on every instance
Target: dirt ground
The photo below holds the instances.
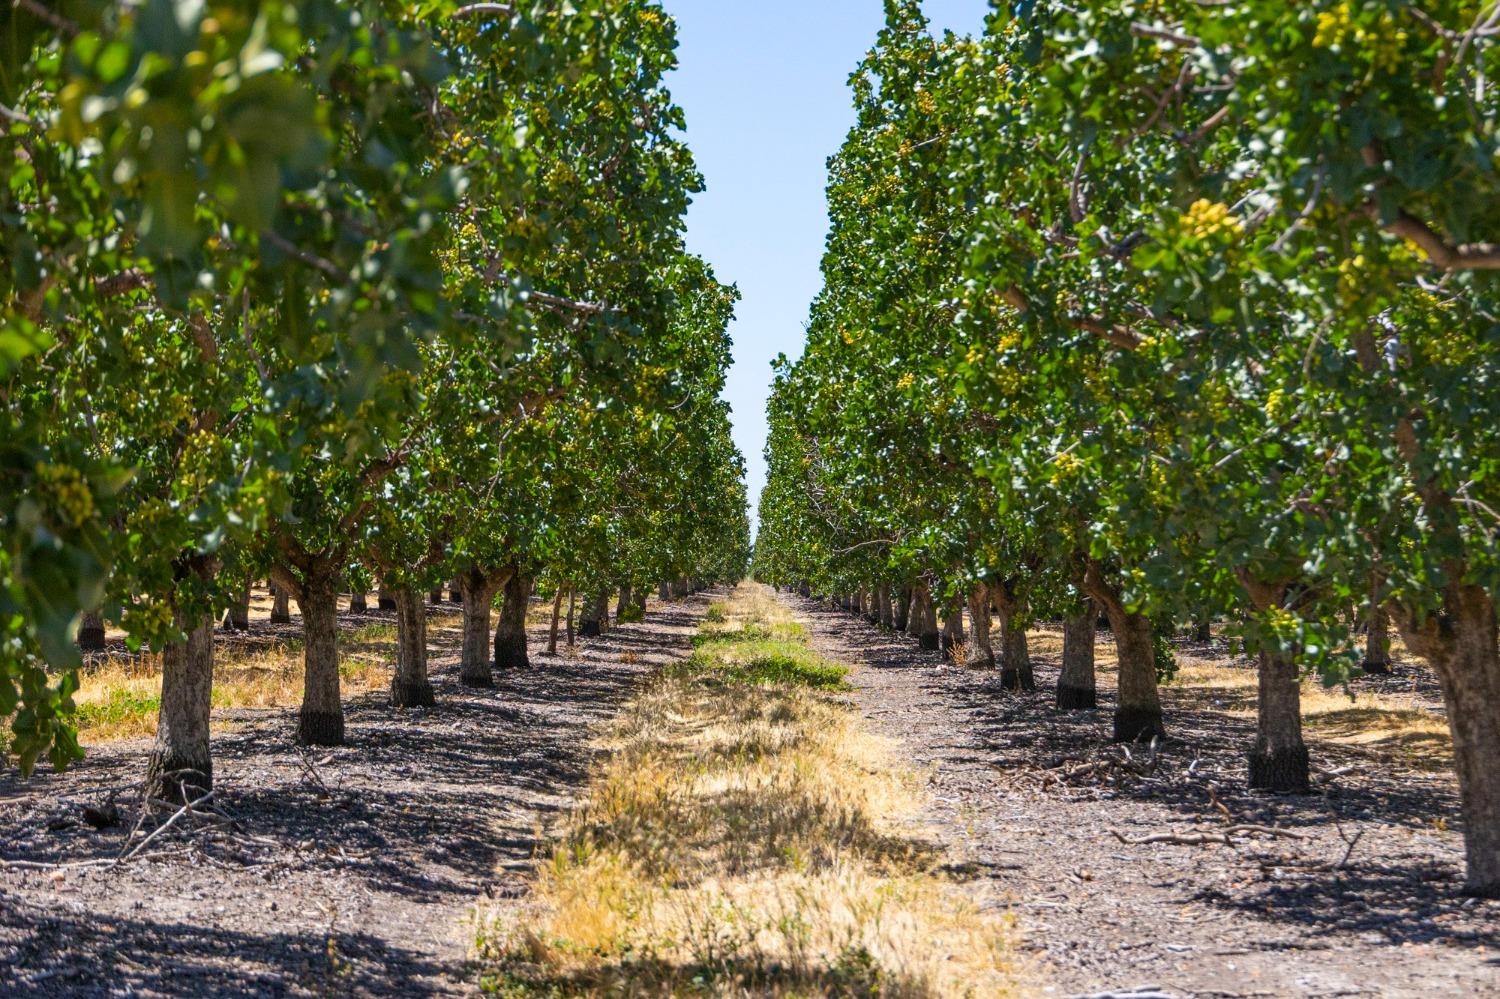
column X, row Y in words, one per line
column 1364, row 900
column 343, row 872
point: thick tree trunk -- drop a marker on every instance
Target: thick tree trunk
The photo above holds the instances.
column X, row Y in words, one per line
column 1279, row 760
column 436, row 596
column 595, row 610
column 1377, row 641
column 573, row 614
column 455, row 592
column 556, row 620
column 1016, row 672
column 321, row 722
column 1203, row 631
column 1460, row 643
column 901, row 611
column 359, row 603
column 478, row 590
column 885, row 617
column 385, row 599
column 664, row 591
column 410, row 687
column 923, row 625
column 180, row 768
column 281, row 607
column 1138, row 712
column 1076, row 686
column 237, row 615
column 510, row 632
column 952, row 639
column 91, row 632
column 981, row 651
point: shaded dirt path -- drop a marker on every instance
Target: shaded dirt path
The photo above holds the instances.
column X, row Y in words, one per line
column 1015, row 795
column 353, row 873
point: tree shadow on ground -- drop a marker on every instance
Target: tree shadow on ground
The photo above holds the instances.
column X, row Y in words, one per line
column 411, row 818
column 1403, row 889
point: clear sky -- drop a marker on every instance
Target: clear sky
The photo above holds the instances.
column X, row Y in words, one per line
column 764, row 84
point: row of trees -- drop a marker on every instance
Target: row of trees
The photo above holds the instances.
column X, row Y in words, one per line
column 331, row 292
column 1183, row 310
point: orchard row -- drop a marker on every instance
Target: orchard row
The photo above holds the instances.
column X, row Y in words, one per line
column 334, row 293
column 1184, row 311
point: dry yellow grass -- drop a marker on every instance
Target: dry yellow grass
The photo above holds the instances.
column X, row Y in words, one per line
column 745, row 836
column 119, row 697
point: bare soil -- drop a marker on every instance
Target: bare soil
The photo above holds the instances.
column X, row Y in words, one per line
column 1354, row 892
column 332, row 872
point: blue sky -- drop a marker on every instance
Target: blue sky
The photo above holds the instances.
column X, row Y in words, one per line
column 764, row 86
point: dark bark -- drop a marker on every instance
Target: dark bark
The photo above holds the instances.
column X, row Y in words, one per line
column 436, row 596
column 1203, row 631
column 595, row 610
column 901, row 610
column 1377, row 641
column 572, row 615
column 664, row 591
column 478, row 588
column 91, row 637
column 237, row 615
column 321, row 721
column 1460, row 643
column 1279, row 760
column 1076, row 686
column 1016, row 672
column 180, row 768
column 556, row 620
column 953, row 634
column 510, row 631
column 1138, row 714
column 385, row 600
column 981, row 651
column 281, row 609
column 455, row 592
column 359, row 603
column 410, row 687
column 887, row 615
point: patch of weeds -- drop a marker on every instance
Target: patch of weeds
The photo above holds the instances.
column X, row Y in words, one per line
column 717, row 613
column 120, row 708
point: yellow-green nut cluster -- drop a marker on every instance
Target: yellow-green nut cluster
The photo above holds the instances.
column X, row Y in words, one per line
column 1337, row 31
column 1206, row 219
column 69, row 493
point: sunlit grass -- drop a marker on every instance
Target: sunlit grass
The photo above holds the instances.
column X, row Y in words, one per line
column 745, row 835
column 120, row 695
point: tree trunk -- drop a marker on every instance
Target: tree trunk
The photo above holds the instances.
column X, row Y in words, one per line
column 281, row 607
column 1138, row 712
column 1076, row 686
column 409, row 686
column 884, row 614
column 1016, row 672
column 923, row 624
column 455, row 592
column 478, row 588
column 556, row 620
column 1377, row 641
column 1279, row 760
column 384, row 599
column 359, row 603
column 1460, row 643
column 510, row 632
column 953, row 633
column 595, row 609
column 91, row 632
column 237, row 615
column 321, row 722
column 572, row 614
column 901, row 611
column 981, row 652
column 436, row 596
column 180, row 768
column 1203, row 631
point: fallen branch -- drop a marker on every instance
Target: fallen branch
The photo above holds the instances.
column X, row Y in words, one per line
column 1225, row 838
column 184, row 810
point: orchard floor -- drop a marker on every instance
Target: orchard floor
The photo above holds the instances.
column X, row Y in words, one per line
column 348, row 872
column 1031, row 799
